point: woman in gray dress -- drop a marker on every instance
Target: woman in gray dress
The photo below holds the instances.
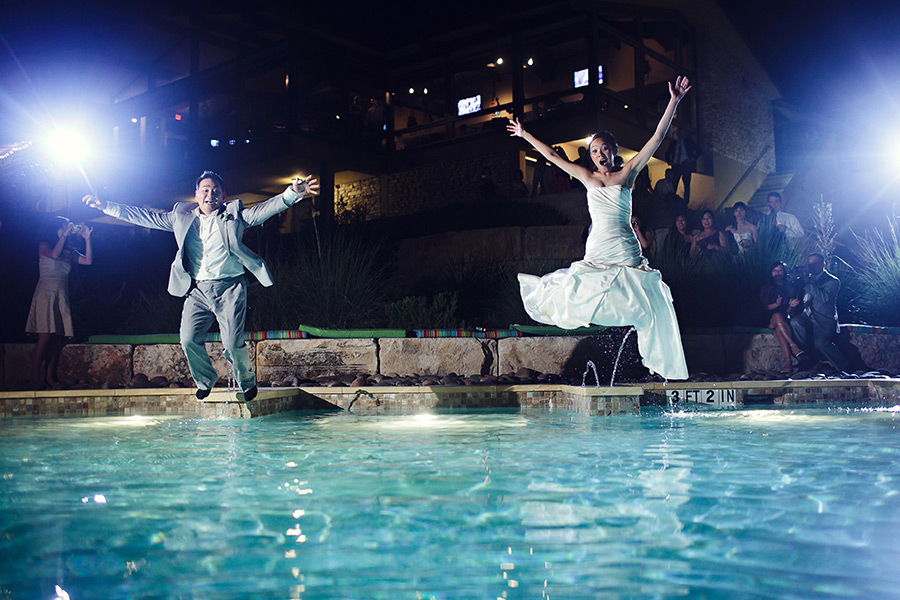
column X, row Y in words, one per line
column 50, row 316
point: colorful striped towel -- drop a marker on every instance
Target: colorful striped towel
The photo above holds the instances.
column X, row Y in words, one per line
column 473, row 333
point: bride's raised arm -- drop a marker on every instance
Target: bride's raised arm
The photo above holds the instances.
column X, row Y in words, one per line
column 640, row 160
column 515, row 129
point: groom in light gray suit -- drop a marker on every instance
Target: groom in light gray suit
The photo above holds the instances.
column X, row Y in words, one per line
column 209, row 268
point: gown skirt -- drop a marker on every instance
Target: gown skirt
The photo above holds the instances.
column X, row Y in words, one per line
column 612, row 286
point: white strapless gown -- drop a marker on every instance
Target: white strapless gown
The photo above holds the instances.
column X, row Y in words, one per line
column 613, row 286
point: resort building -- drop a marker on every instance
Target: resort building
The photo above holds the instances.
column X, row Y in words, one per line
column 398, row 124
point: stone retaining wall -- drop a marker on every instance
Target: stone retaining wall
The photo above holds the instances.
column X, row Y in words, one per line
column 275, row 360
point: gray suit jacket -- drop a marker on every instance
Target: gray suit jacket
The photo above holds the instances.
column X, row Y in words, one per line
column 233, row 220
column 820, row 301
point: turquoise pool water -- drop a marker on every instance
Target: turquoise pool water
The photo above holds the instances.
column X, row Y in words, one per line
column 734, row 504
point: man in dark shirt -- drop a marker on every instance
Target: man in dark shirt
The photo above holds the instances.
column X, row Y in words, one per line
column 682, row 155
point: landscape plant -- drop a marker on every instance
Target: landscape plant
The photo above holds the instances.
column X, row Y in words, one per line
column 877, row 277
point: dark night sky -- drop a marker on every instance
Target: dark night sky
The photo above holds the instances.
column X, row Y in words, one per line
column 830, row 57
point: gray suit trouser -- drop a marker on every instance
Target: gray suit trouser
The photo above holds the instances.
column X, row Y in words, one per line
column 809, row 335
column 224, row 300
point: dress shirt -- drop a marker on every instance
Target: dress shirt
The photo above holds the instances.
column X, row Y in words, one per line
column 792, row 228
column 207, row 255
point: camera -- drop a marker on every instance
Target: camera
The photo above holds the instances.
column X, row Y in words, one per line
column 78, row 228
column 797, row 273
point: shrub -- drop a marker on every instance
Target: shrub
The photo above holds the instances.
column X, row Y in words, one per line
column 723, row 290
column 151, row 311
column 334, row 281
column 421, row 312
column 878, row 277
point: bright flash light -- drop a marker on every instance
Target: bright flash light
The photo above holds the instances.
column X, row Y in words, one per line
column 424, row 90
column 68, row 146
column 412, row 90
column 499, row 61
column 530, row 62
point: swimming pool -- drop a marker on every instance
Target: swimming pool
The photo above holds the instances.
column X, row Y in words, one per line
column 789, row 503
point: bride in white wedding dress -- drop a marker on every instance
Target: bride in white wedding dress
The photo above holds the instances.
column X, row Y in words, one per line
column 612, row 285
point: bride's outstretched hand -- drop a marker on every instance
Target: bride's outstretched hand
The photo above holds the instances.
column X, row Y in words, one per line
column 680, row 88
column 515, row 128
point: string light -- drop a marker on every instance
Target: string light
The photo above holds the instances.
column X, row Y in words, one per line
column 16, row 147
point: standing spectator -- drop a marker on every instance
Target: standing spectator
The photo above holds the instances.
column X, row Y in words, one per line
column 519, row 189
column 50, row 316
column 682, row 155
column 743, row 231
column 584, row 159
column 815, row 325
column 375, row 120
column 780, row 221
column 561, row 180
column 539, row 177
column 642, row 185
column 775, row 298
column 486, row 188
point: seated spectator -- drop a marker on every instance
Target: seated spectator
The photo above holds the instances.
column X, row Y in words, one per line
column 775, row 298
column 743, row 231
column 678, row 240
column 665, row 187
column 709, row 241
column 646, row 238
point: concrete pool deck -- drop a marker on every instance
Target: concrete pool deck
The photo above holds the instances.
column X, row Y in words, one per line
column 620, row 399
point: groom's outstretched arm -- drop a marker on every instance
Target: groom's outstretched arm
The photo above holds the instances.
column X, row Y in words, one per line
column 131, row 214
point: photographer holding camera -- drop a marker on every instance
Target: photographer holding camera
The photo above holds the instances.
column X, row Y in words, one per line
column 50, row 316
column 813, row 316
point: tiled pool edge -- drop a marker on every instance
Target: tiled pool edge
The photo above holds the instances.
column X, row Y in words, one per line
column 783, row 392
column 586, row 400
column 222, row 404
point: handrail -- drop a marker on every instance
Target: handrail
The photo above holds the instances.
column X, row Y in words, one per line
column 743, row 177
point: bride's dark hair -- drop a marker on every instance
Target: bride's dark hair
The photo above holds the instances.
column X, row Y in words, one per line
column 607, row 137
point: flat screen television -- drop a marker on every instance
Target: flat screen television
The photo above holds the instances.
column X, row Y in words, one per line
column 470, row 105
column 582, row 75
column 581, row 78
